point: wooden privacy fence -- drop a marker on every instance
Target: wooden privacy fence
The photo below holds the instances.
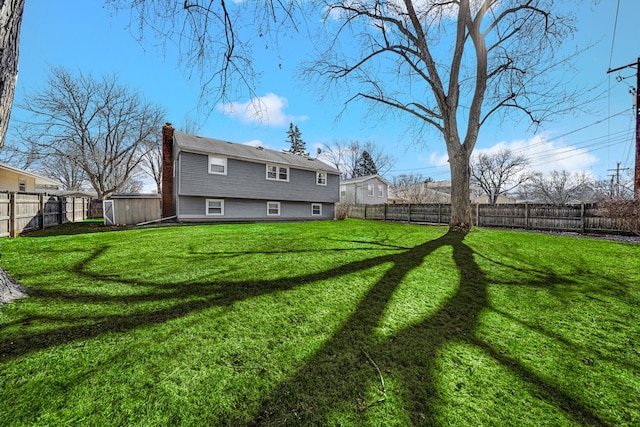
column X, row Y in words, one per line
column 584, row 218
column 20, row 212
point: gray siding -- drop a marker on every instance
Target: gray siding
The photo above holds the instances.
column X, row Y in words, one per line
column 357, row 193
column 247, row 180
column 193, row 208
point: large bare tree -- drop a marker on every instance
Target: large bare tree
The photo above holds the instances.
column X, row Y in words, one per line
column 455, row 66
column 10, row 21
column 452, row 65
column 99, row 125
column 500, row 172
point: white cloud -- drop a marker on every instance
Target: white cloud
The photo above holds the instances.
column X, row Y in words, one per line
column 267, row 110
column 544, row 155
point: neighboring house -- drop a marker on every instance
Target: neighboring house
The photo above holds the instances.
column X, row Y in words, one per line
column 418, row 194
column 206, row 179
column 15, row 179
column 365, row 190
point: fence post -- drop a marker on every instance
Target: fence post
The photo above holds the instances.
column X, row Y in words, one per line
column 439, row 214
column 384, row 215
column 41, row 200
column 365, row 211
column 477, row 214
column 582, row 218
column 526, row 215
column 12, row 214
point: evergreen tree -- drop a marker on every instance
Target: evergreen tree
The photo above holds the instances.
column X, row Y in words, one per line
column 365, row 166
column 294, row 137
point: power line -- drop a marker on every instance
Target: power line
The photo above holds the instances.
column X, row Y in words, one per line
column 613, row 37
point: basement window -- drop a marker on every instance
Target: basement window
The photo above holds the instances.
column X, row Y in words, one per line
column 215, row 207
column 273, row 208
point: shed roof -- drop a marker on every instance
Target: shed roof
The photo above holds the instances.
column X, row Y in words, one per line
column 202, row 145
column 364, row 179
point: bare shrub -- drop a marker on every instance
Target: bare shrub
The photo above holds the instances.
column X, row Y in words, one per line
column 342, row 210
column 627, row 211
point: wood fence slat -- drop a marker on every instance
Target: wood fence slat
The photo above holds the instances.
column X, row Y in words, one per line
column 583, row 218
column 20, row 212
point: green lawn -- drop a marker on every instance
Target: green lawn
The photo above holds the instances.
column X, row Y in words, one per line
column 320, row 323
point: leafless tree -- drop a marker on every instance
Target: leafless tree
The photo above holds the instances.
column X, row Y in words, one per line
column 63, row 169
column 498, row 173
column 558, row 188
column 151, row 160
column 98, row 125
column 471, row 60
column 10, row 22
column 451, row 65
column 344, row 156
column 216, row 38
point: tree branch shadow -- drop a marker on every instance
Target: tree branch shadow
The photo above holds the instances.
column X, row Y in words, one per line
column 344, row 362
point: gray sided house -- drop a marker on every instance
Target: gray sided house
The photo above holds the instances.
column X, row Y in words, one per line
column 365, row 190
column 206, row 179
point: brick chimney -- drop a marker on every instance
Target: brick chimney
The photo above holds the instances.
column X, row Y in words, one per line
column 168, row 204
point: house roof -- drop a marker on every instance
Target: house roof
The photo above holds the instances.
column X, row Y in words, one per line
column 202, row 145
column 363, row 179
column 39, row 178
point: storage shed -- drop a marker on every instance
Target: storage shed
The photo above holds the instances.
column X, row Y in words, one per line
column 131, row 209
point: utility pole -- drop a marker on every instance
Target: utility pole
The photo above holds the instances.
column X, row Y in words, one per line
column 636, row 107
column 617, row 179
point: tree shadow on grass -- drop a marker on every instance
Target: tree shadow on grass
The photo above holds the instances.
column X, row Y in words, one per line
column 355, row 359
column 349, row 364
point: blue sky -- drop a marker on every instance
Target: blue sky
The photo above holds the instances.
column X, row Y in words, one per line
column 84, row 35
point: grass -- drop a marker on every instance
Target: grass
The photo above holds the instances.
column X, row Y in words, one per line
column 322, row 323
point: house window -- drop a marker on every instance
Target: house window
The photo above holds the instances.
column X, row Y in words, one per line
column 273, row 208
column 316, row 209
column 22, row 184
column 215, row 207
column 277, row 173
column 380, row 191
column 321, row 178
column 370, row 190
column 217, row 165
column 343, row 191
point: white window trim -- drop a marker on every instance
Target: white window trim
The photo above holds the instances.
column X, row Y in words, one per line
column 224, row 164
column 371, row 190
column 278, row 169
column 318, row 178
column 273, row 214
column 206, row 211
column 313, row 205
column 380, row 191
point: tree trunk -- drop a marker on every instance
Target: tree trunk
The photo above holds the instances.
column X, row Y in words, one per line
column 10, row 21
column 460, row 201
column 10, row 289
